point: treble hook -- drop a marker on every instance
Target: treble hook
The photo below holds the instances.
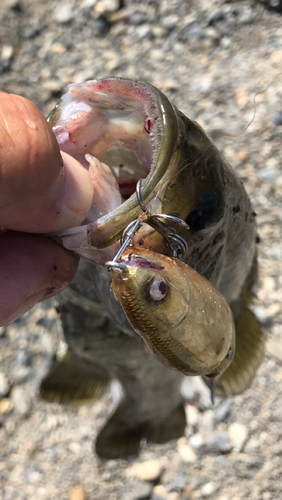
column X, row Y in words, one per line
column 176, row 242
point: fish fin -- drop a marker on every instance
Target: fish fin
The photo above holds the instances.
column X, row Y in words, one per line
column 74, row 381
column 250, row 343
column 117, row 439
column 171, row 427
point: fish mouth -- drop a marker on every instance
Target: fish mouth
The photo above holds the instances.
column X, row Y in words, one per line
column 128, row 125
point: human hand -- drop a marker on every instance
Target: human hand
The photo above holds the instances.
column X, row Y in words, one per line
column 41, row 191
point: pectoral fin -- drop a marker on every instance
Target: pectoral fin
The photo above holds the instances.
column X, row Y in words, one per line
column 250, row 341
column 74, row 381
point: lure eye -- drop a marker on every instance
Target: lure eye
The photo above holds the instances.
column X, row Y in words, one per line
column 158, row 288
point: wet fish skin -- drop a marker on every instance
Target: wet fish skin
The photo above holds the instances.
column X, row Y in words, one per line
column 181, row 317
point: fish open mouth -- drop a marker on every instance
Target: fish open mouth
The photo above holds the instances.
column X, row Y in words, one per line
column 128, row 126
column 118, row 121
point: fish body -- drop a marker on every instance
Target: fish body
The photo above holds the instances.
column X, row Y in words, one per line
column 132, row 128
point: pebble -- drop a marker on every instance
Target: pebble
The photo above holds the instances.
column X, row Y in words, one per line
column 159, row 493
column 140, row 32
column 274, row 348
column 5, row 405
column 78, row 492
column 147, row 471
column 238, row 434
column 105, row 7
column 241, row 98
column 141, row 491
column 193, row 31
column 269, row 175
column 64, row 14
column 208, row 490
column 21, row 401
column 277, row 118
column 186, row 453
column 242, row 155
column 170, row 22
column 197, row 441
column 179, row 481
column 6, row 52
column 219, row 442
column 4, row 385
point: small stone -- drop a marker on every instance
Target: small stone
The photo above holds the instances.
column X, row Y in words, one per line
column 242, row 155
column 4, row 385
column 274, row 348
column 78, row 493
column 105, row 7
column 246, row 16
column 277, row 449
column 277, row 118
column 75, row 448
column 238, row 434
column 138, row 18
column 6, row 52
column 170, row 22
column 58, row 48
column 208, row 489
column 207, row 424
column 147, row 471
column 5, row 405
column 142, row 491
column 241, row 97
column 21, row 401
column 219, row 443
column 159, row 493
column 33, row 30
column 34, row 476
column 186, row 453
column 194, row 31
column 196, row 441
column 269, row 175
column 64, row 14
column 179, row 481
column 143, row 31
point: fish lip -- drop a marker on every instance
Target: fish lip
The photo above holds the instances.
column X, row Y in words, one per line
column 108, row 229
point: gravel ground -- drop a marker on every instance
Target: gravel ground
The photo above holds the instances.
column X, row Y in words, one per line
column 210, row 57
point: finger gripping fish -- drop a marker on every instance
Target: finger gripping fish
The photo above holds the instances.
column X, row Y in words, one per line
column 182, row 318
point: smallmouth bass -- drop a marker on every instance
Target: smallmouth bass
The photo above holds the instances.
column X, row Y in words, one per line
column 123, row 130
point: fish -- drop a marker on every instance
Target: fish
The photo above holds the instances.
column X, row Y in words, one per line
column 124, row 130
column 181, row 317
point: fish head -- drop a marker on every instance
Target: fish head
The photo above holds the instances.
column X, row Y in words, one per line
column 183, row 320
column 132, row 128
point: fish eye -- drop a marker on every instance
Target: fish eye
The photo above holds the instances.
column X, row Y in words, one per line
column 158, row 288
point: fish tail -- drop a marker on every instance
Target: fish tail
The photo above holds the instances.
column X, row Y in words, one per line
column 73, row 381
column 168, row 428
column 118, row 439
